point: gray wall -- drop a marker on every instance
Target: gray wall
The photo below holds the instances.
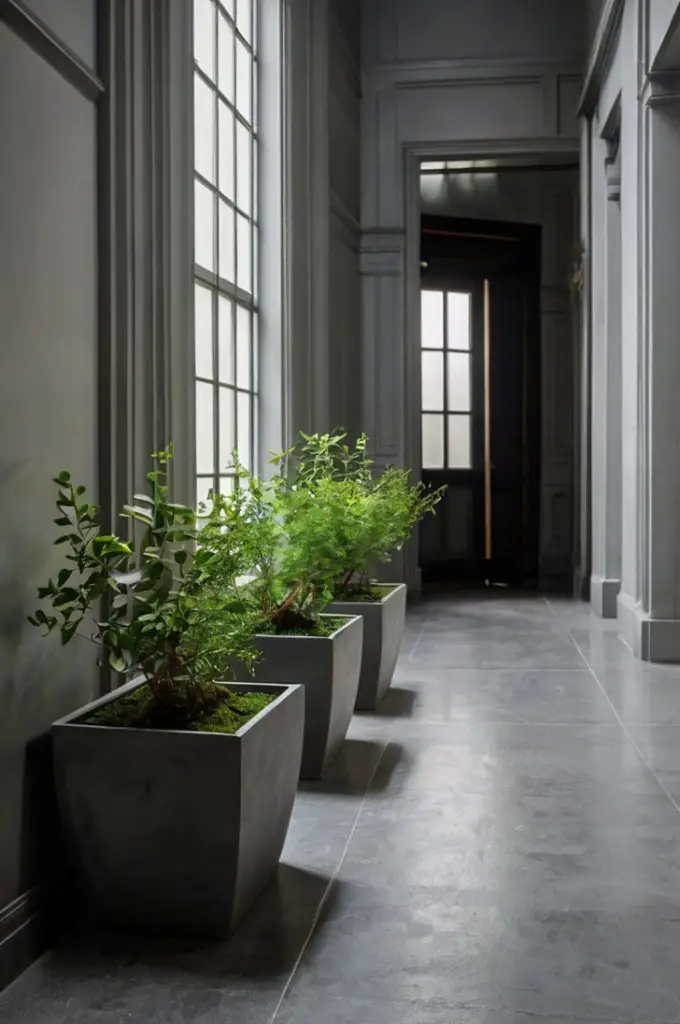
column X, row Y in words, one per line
column 548, row 198
column 323, row 284
column 593, row 12
column 344, row 124
column 48, row 421
column 440, row 83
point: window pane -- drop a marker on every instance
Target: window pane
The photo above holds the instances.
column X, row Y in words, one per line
column 433, row 380
column 244, row 72
column 203, row 327
column 204, row 227
column 459, row 442
column 226, row 485
column 256, row 431
column 225, row 57
column 243, row 348
column 255, row 179
column 226, row 151
column 432, row 319
column 204, row 129
column 256, row 266
column 227, row 266
column 458, row 374
column 243, row 428
column 243, row 248
column 225, row 311
column 256, row 352
column 226, row 427
column 254, row 105
column 205, row 445
column 243, row 16
column 204, row 36
column 459, row 320
column 204, row 486
column 433, row 442
column 244, row 173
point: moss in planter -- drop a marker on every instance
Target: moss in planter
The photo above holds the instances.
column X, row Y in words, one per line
column 294, row 624
column 226, row 712
column 372, row 592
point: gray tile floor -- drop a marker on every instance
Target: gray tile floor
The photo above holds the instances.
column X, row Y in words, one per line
column 501, row 843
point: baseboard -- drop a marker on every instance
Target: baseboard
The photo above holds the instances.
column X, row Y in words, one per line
column 603, row 596
column 650, row 639
column 28, row 925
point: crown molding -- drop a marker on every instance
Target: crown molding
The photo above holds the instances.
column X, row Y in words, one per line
column 43, row 41
column 601, row 55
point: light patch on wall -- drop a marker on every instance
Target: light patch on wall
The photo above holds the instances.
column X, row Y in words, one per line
column 433, row 188
column 438, row 189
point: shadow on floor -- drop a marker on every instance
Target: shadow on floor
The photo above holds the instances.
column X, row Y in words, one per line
column 361, row 766
column 397, row 703
column 266, row 945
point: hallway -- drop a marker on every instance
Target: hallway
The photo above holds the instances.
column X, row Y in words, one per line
column 501, row 843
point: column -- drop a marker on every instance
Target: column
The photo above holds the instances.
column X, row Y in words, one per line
column 606, row 380
column 653, row 618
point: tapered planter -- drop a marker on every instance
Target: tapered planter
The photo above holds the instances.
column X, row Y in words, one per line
column 383, row 632
column 328, row 668
column 179, row 831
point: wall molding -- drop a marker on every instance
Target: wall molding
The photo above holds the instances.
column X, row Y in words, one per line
column 33, row 31
column 350, row 226
column 29, row 924
column 146, row 225
column 466, row 67
column 343, row 53
column 601, row 55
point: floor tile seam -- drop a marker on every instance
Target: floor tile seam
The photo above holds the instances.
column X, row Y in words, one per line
column 525, row 723
column 329, row 888
column 523, row 671
column 417, row 641
column 626, row 730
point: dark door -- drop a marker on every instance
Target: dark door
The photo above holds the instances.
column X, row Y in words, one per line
column 480, row 422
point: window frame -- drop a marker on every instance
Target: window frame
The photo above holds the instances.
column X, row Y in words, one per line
column 242, row 302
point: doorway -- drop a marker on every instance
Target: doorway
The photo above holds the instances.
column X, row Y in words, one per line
column 480, row 400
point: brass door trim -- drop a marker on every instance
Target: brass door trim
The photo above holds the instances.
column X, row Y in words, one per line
column 488, row 536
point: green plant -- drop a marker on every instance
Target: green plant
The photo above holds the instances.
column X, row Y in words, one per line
column 159, row 608
column 279, row 545
column 382, row 509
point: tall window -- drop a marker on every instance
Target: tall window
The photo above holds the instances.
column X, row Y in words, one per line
column 446, row 382
column 225, row 243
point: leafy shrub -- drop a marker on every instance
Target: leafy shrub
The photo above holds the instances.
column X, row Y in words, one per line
column 279, row 546
column 160, row 608
column 380, row 510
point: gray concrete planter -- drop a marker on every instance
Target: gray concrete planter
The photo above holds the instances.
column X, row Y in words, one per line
column 383, row 631
column 179, row 831
column 328, row 668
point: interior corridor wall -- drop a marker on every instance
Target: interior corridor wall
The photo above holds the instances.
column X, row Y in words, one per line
column 48, row 422
column 324, row 115
column 344, row 125
column 438, row 83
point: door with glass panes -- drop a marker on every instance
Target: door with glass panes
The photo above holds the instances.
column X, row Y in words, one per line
column 480, row 399
column 452, row 427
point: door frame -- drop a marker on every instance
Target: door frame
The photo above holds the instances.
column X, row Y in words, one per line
column 529, row 239
column 532, row 152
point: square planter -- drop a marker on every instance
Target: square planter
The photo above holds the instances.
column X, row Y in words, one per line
column 328, row 668
column 383, row 632
column 179, row 831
